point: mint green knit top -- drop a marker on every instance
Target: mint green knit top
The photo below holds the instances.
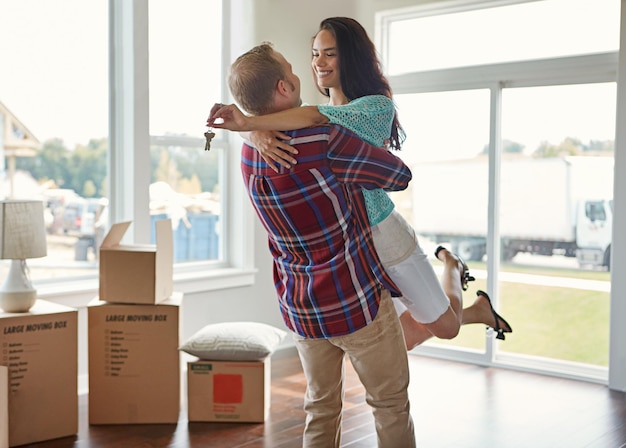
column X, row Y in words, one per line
column 370, row 117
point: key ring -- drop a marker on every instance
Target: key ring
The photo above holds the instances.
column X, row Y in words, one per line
column 210, row 134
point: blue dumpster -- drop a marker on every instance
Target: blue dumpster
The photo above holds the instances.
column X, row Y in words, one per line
column 196, row 240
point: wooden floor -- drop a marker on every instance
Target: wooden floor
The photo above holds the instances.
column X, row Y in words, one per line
column 453, row 405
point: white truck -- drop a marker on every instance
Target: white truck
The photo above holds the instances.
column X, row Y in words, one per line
column 549, row 206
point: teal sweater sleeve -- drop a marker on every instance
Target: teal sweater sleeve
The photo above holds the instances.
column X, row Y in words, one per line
column 370, row 117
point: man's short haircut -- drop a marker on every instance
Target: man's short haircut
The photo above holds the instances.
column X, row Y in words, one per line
column 253, row 79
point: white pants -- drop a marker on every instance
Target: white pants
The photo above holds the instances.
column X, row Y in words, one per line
column 409, row 268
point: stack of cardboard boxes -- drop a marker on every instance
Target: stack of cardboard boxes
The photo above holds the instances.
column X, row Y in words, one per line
column 134, row 362
column 134, row 358
column 134, row 332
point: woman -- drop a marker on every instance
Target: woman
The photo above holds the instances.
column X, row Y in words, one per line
column 347, row 70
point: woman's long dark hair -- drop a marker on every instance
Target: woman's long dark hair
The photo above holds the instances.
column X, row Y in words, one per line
column 360, row 70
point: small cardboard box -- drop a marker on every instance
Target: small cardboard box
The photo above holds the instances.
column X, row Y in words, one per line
column 137, row 273
column 4, row 407
column 134, row 362
column 228, row 391
column 40, row 350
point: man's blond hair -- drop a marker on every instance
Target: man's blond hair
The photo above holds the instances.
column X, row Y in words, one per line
column 253, row 79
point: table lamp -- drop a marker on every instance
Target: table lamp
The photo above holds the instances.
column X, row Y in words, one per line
column 22, row 236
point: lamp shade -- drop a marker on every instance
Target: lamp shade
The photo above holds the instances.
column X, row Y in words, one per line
column 22, row 229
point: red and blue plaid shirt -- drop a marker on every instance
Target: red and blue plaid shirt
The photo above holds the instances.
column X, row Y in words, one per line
column 327, row 273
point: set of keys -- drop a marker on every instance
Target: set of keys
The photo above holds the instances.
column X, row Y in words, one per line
column 209, row 136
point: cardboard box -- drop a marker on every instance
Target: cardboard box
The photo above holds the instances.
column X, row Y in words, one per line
column 134, row 362
column 228, row 391
column 40, row 349
column 137, row 273
column 4, row 407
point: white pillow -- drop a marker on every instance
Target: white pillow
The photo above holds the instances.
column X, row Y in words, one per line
column 234, row 341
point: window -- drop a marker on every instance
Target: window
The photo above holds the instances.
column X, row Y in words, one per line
column 568, row 133
column 54, row 84
column 186, row 182
column 57, row 96
column 446, row 135
column 595, row 211
column 466, row 35
column 516, row 205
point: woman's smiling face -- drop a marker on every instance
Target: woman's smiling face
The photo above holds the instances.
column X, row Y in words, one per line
column 325, row 61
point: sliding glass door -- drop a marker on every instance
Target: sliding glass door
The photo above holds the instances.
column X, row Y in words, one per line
column 511, row 143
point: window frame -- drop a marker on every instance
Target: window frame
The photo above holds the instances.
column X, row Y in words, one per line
column 129, row 153
column 583, row 69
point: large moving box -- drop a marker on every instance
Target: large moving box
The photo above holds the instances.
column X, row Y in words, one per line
column 137, row 273
column 40, row 349
column 134, row 362
column 228, row 391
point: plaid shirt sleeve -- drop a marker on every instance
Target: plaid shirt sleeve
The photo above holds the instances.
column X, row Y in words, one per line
column 357, row 162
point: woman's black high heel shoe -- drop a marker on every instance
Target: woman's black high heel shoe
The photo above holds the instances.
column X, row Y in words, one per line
column 499, row 331
column 465, row 274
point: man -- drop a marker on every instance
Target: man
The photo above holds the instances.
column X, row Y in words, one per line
column 333, row 292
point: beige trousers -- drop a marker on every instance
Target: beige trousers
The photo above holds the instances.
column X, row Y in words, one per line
column 379, row 357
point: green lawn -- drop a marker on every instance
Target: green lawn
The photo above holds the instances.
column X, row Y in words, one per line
column 553, row 322
column 574, row 273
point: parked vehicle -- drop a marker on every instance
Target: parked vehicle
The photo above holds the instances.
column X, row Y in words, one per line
column 549, row 206
column 78, row 217
column 79, row 220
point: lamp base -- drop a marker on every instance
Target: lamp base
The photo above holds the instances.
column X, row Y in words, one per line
column 17, row 301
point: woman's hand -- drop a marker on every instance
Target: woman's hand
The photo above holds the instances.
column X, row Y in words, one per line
column 271, row 145
column 231, row 118
column 273, row 148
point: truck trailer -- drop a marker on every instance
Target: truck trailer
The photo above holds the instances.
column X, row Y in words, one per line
column 548, row 206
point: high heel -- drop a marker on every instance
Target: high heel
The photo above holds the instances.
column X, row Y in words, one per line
column 465, row 274
column 499, row 331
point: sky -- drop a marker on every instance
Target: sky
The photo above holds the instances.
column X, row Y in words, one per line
column 530, row 30
column 56, row 80
column 457, row 121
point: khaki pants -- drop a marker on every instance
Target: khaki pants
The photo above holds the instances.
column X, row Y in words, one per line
column 379, row 357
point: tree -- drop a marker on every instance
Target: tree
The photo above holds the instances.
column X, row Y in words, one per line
column 165, row 169
column 185, row 163
column 508, row 146
column 596, row 146
column 50, row 163
column 89, row 189
column 570, row 146
column 208, row 170
column 84, row 169
column 190, row 186
column 546, row 150
column 88, row 164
